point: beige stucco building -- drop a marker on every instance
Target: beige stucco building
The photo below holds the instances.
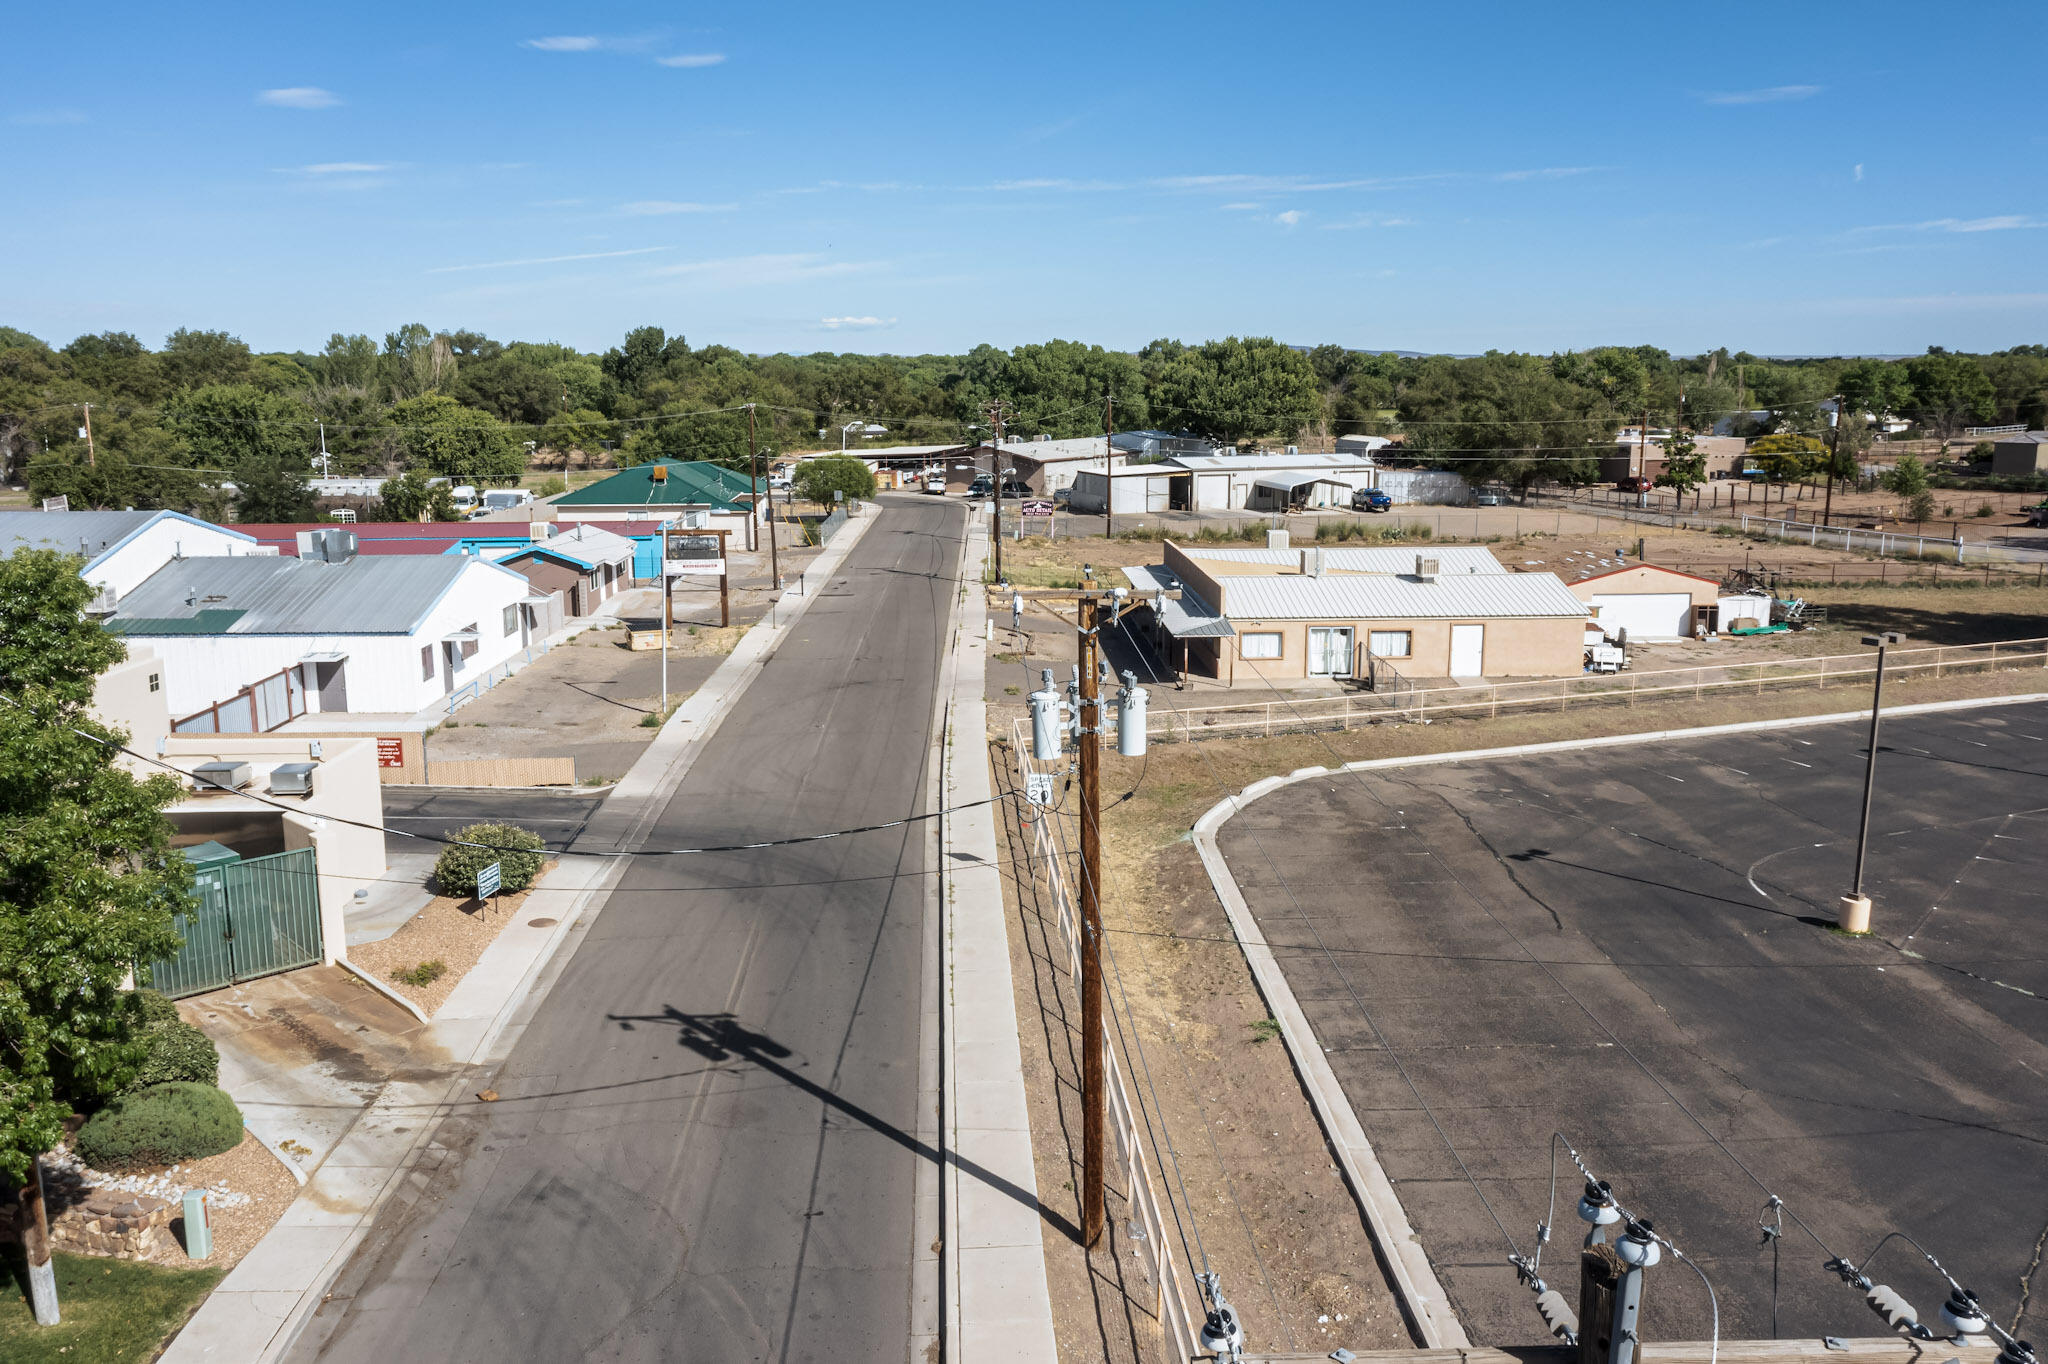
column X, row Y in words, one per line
column 1647, row 601
column 1292, row 615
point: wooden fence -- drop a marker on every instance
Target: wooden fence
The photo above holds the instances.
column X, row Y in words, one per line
column 1399, row 703
column 501, row 772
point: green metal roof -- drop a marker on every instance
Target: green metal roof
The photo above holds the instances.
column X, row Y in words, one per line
column 688, row 481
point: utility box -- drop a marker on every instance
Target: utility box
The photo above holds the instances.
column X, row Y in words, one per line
column 198, row 1225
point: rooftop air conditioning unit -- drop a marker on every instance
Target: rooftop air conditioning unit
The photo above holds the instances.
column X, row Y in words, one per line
column 104, row 602
column 221, row 776
column 1426, row 569
column 292, row 779
column 1276, row 539
column 659, row 473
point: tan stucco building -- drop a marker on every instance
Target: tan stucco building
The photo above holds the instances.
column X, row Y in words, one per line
column 1288, row 615
column 1647, row 601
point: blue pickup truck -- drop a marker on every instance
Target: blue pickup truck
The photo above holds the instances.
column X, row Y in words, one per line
column 1371, row 499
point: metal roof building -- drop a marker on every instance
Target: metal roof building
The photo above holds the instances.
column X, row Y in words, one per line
column 121, row 548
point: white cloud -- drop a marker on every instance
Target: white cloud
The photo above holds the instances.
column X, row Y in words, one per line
column 1300, row 184
column 344, row 168
column 1004, row 186
column 545, row 260
column 747, row 271
column 1358, row 220
column 833, row 324
column 656, row 208
column 691, row 59
column 1859, row 172
column 1544, row 173
column 1242, row 206
column 1776, row 94
column 1289, row 218
column 46, row 118
column 565, row 43
column 299, row 97
column 2002, row 222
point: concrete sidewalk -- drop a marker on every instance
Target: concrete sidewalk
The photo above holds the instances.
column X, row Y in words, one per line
column 998, row 1306
column 261, row 1307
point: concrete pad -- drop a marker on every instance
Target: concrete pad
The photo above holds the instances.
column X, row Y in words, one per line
column 287, row 1259
column 337, row 1195
column 244, row 1328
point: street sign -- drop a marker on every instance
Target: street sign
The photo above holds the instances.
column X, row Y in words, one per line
column 1038, row 787
column 1036, row 509
column 695, row 553
column 487, row 882
column 61, row 502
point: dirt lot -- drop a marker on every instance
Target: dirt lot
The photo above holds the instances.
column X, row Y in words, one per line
column 453, row 930
column 1192, row 1001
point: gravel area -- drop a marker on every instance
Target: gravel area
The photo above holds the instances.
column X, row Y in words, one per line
column 453, row 930
column 249, row 1190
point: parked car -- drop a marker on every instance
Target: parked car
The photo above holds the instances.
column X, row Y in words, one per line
column 1634, row 483
column 935, row 484
column 2037, row 515
column 1062, row 497
column 1487, row 497
column 1016, row 488
column 1371, row 500
column 981, row 487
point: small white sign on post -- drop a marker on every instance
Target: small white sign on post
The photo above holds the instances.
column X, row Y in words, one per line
column 487, row 881
column 61, row 502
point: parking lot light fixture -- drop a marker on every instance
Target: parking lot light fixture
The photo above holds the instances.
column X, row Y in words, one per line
column 1854, row 914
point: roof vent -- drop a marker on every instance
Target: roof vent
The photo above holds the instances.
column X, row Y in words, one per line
column 1426, row 568
column 1276, row 539
column 222, row 776
column 659, row 473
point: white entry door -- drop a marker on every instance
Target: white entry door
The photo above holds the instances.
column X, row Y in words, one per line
column 1468, row 651
column 1329, row 651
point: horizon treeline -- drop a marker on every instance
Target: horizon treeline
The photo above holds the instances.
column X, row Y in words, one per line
column 170, row 426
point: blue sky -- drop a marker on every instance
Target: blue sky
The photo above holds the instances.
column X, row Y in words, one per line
column 1807, row 178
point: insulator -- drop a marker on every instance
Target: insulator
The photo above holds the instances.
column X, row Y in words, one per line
column 1638, row 1248
column 1558, row 1315
column 1597, row 1204
column 1962, row 1315
column 1220, row 1331
column 2016, row 1352
column 1888, row 1303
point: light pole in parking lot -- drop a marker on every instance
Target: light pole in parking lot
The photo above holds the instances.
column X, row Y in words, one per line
column 1854, row 915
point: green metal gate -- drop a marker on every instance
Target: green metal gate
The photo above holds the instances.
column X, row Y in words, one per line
column 248, row 918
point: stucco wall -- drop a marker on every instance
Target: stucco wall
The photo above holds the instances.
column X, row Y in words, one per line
column 1550, row 646
column 1646, row 579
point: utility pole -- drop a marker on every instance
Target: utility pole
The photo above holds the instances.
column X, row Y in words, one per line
column 1834, row 460
column 1094, row 1160
column 995, row 476
column 753, row 484
column 35, row 1239
column 1108, row 459
column 91, row 455
column 1854, row 915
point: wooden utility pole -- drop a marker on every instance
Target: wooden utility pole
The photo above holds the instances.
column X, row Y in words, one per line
column 1094, row 1156
column 91, row 455
column 1600, row 1271
column 35, row 1238
column 753, row 485
column 1834, row 458
column 1109, row 458
column 774, row 557
column 995, row 475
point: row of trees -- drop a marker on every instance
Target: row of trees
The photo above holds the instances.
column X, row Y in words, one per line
column 171, row 426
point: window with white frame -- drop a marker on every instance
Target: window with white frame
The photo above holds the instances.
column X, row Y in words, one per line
column 1259, row 644
column 512, row 619
column 469, row 644
column 1391, row 643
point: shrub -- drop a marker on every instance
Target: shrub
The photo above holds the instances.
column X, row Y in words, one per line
column 1984, row 509
column 516, row 851
column 177, row 1051
column 157, row 1008
column 160, row 1125
column 1920, row 506
column 426, row 973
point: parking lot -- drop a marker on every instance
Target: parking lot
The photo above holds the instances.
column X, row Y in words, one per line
column 1633, row 946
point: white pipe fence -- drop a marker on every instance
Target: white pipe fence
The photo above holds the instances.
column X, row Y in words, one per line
column 1411, row 703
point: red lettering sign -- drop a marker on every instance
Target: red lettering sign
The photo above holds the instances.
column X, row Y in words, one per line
column 390, row 752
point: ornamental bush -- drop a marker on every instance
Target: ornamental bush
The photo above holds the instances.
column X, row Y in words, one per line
column 516, row 851
column 160, row 1125
column 177, row 1051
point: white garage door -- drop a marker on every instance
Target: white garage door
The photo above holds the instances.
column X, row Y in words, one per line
column 1649, row 615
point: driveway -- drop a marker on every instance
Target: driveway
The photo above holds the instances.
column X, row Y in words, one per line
column 1632, row 946
column 703, row 1142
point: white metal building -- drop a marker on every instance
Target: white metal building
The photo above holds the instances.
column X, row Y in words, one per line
column 122, row 548
column 385, row 633
column 1269, row 482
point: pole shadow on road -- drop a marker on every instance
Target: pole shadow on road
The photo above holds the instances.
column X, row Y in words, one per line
column 721, row 1037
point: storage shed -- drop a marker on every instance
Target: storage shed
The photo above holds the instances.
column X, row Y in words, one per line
column 1647, row 601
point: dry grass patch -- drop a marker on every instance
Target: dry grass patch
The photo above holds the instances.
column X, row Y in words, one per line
column 451, row 930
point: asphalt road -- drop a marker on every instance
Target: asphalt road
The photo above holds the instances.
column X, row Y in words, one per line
column 704, row 1146
column 1603, row 942
column 557, row 816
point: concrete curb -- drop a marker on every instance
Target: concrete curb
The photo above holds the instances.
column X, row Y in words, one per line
column 267, row 1301
column 1422, row 1296
column 998, row 1304
column 381, row 988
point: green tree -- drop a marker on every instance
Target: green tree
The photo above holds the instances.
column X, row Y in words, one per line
column 273, row 495
column 1685, row 468
column 1907, row 478
column 88, row 880
column 192, row 359
column 1239, row 390
column 411, row 496
column 349, row 361
column 1949, row 392
column 1786, row 457
column 583, row 430
column 436, row 432
column 817, row 479
column 240, row 428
